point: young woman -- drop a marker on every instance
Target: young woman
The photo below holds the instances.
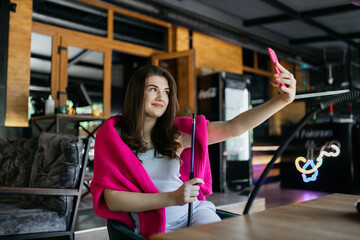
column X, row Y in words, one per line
column 142, row 158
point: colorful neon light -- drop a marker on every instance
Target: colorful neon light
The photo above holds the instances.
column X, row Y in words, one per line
column 303, row 170
column 333, row 146
column 314, row 176
column 330, row 154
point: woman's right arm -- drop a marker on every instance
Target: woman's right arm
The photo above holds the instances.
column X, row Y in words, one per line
column 139, row 202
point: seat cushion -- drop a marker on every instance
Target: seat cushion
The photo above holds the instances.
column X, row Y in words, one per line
column 16, row 220
column 56, row 165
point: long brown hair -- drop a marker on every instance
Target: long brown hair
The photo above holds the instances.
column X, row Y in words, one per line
column 164, row 133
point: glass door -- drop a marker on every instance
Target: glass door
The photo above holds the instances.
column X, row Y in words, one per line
column 181, row 66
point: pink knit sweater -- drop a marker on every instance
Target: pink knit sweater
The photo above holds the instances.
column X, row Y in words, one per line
column 117, row 168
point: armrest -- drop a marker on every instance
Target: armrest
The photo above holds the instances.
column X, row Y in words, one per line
column 39, row 191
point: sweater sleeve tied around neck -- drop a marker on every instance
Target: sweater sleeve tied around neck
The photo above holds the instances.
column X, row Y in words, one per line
column 117, row 168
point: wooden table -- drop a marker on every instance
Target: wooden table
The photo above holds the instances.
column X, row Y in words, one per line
column 330, row 217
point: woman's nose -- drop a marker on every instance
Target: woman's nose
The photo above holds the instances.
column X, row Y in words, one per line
column 159, row 95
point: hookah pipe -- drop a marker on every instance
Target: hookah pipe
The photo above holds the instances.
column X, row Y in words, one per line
column 190, row 211
column 350, row 96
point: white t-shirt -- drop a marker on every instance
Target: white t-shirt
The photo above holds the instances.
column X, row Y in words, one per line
column 165, row 174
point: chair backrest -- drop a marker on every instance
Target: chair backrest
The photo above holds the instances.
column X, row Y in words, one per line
column 48, row 161
column 16, row 160
column 56, row 164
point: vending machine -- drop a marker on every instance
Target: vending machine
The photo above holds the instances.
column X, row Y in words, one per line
column 222, row 96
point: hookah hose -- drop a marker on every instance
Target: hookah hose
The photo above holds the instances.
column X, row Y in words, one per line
column 350, row 96
column 190, row 210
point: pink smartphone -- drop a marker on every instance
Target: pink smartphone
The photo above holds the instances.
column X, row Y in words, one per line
column 274, row 60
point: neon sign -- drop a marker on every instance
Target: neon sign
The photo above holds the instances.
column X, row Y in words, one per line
column 329, row 149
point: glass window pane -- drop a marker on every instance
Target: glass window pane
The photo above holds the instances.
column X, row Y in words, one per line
column 263, row 62
column 87, row 67
column 123, row 66
column 132, row 30
column 248, row 57
column 73, row 15
column 40, row 72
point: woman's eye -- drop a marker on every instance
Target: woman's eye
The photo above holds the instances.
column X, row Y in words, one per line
column 167, row 92
column 152, row 89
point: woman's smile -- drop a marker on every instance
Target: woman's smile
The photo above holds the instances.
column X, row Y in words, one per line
column 158, row 105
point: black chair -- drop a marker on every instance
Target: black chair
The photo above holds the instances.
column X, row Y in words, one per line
column 119, row 231
column 37, row 205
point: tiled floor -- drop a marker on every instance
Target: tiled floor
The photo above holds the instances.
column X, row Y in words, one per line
column 87, row 218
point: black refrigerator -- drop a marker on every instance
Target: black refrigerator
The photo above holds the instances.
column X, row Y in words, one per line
column 222, row 96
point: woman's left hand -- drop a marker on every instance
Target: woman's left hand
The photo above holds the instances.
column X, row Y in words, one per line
column 288, row 91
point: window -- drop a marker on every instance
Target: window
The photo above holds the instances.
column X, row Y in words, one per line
column 40, row 72
column 132, row 30
column 73, row 15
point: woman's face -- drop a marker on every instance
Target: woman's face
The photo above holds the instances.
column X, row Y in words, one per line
column 156, row 96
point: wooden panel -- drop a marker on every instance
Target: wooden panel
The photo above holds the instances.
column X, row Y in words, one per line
column 216, row 54
column 169, row 39
column 63, row 76
column 18, row 82
column 181, row 38
column 110, row 26
column 55, row 69
column 259, row 71
column 173, row 55
column 256, row 65
column 107, row 83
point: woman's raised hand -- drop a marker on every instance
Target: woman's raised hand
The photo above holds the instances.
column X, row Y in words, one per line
column 288, row 92
column 187, row 193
